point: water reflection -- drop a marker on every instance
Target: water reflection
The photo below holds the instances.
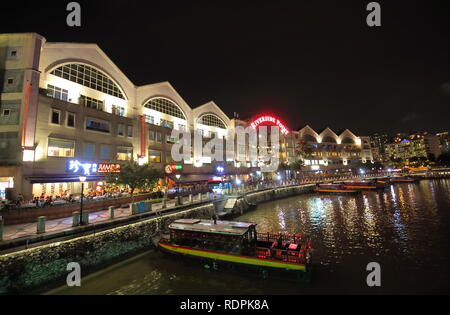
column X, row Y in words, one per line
column 406, row 228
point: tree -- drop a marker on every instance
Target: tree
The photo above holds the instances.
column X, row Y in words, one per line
column 136, row 176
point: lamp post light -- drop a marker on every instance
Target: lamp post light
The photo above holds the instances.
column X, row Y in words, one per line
column 82, row 181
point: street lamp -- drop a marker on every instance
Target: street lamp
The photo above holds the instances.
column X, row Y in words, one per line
column 82, row 181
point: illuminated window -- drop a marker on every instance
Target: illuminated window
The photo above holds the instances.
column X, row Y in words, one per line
column 130, row 131
column 118, row 110
column 149, row 119
column 212, row 121
column 61, row 148
column 58, row 93
column 91, row 102
column 154, row 156
column 89, row 77
column 97, row 125
column 166, row 123
column 165, row 106
column 124, row 154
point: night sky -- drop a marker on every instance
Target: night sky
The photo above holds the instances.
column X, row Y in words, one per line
column 308, row 62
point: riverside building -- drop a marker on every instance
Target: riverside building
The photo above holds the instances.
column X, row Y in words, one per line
column 67, row 111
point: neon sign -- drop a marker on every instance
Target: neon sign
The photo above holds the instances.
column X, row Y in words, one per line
column 272, row 120
column 87, row 169
column 171, row 168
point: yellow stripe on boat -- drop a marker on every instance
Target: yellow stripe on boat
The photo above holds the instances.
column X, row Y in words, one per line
column 232, row 258
column 360, row 187
column 336, row 190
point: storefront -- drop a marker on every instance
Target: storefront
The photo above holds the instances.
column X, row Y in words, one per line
column 94, row 176
column 5, row 183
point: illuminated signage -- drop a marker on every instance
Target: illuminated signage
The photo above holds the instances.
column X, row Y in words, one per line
column 171, row 168
column 271, row 120
column 88, row 168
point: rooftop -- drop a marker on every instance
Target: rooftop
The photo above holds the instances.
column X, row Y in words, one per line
column 208, row 226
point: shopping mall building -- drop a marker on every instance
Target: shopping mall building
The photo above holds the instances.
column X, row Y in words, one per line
column 68, row 111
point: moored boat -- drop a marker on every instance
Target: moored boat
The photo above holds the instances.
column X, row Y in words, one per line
column 368, row 185
column 237, row 246
column 335, row 189
column 404, row 180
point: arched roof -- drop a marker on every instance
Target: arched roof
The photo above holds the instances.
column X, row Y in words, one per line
column 212, row 120
column 165, row 106
column 89, row 76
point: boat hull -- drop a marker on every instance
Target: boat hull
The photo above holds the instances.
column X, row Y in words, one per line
column 216, row 261
column 337, row 191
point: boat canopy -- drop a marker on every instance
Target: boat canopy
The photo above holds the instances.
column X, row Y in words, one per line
column 208, row 226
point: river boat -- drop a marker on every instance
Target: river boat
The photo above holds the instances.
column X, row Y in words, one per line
column 335, row 189
column 226, row 245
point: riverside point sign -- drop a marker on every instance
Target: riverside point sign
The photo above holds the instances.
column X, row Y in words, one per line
column 271, row 120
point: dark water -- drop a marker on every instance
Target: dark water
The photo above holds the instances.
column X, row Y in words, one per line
column 406, row 229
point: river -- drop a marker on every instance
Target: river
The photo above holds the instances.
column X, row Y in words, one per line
column 405, row 228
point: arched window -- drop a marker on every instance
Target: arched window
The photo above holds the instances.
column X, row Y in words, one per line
column 165, row 106
column 329, row 139
column 348, row 141
column 212, row 121
column 89, row 77
column 309, row 138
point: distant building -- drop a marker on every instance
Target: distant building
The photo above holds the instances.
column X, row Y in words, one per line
column 378, row 142
column 424, row 146
column 328, row 151
column 444, row 142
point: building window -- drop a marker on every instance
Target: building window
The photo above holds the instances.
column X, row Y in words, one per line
column 97, row 125
column 149, row 119
column 171, row 140
column 154, row 156
column 212, row 121
column 166, row 123
column 55, row 117
column 118, row 110
column 165, row 106
column 61, row 148
column 130, row 131
column 158, row 137
column 71, row 120
column 10, row 81
column 151, row 135
column 13, row 53
column 57, row 93
column 89, row 77
column 91, row 102
column 124, row 154
column 105, row 152
column 121, row 130
column 6, row 113
column 169, row 159
column 89, row 151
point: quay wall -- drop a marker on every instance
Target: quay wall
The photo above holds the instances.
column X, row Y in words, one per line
column 30, row 215
column 245, row 202
column 32, row 269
